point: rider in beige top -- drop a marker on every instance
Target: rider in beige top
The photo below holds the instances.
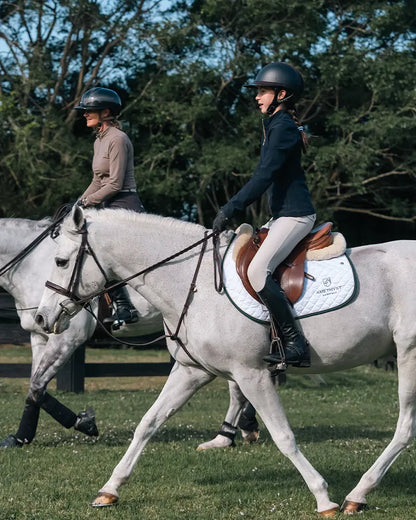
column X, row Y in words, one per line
column 113, row 184
column 112, row 166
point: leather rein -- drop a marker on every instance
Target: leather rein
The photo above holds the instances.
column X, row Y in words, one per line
column 51, row 230
column 85, row 248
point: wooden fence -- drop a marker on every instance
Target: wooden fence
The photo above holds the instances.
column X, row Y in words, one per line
column 71, row 377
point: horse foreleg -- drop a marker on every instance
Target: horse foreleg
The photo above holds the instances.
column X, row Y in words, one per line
column 180, row 386
column 83, row 422
column 404, row 434
column 259, row 389
column 29, row 421
column 27, row 427
column 228, row 429
column 248, row 424
column 49, row 353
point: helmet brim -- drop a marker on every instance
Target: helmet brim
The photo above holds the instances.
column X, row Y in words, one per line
column 257, row 84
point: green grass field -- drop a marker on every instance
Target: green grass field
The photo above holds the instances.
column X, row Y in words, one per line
column 341, row 427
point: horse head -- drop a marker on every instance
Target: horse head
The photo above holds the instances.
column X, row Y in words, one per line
column 75, row 276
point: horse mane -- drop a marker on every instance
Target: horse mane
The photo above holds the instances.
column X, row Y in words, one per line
column 25, row 223
column 129, row 217
column 25, row 229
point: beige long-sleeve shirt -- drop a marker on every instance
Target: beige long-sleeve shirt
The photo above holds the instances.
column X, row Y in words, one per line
column 112, row 165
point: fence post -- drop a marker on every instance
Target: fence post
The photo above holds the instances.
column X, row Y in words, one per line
column 70, row 377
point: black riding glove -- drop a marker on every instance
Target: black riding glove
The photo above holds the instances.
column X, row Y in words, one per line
column 219, row 222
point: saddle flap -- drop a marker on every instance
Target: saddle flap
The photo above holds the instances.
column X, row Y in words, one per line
column 290, row 274
column 246, row 255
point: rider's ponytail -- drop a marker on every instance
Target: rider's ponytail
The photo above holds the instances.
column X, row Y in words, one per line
column 294, row 115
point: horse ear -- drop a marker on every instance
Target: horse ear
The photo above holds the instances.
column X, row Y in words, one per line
column 78, row 217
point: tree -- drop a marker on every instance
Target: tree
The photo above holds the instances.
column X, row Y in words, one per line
column 200, row 132
column 364, row 159
column 195, row 129
column 54, row 51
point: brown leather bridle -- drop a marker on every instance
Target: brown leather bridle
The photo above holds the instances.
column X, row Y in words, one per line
column 85, row 248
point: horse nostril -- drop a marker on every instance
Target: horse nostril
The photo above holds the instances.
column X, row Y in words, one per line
column 39, row 320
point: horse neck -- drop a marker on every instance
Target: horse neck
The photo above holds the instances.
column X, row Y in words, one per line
column 15, row 235
column 146, row 242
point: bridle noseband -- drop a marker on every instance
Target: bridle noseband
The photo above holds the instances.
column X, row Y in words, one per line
column 85, row 248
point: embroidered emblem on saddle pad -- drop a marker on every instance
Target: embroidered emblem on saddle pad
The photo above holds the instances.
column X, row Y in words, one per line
column 329, row 283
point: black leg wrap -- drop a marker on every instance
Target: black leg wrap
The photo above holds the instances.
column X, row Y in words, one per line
column 58, row 411
column 248, row 421
column 228, row 430
column 28, row 423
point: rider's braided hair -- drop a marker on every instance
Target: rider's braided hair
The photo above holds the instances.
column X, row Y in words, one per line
column 291, row 109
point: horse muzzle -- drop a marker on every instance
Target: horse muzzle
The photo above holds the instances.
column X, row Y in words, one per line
column 61, row 322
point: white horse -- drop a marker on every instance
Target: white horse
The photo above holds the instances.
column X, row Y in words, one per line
column 220, row 341
column 25, row 282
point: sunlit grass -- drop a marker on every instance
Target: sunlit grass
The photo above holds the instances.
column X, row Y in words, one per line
column 341, row 427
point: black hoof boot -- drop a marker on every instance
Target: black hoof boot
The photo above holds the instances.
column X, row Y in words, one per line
column 85, row 423
column 11, row 442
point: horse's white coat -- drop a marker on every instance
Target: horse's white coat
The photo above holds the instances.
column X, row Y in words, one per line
column 26, row 281
column 227, row 344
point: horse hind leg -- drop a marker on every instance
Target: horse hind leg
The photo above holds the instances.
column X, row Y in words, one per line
column 180, row 386
column 405, row 432
column 259, row 390
column 228, row 430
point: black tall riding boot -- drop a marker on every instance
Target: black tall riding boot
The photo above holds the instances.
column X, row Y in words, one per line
column 295, row 345
column 125, row 311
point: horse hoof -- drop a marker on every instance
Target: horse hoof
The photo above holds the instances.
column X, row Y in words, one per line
column 220, row 441
column 85, row 423
column 349, row 507
column 329, row 513
column 11, row 442
column 104, row 500
column 250, row 437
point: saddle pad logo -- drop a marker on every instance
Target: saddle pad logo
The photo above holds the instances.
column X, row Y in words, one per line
column 332, row 285
column 327, row 282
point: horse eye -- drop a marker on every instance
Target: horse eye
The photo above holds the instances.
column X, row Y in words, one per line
column 61, row 262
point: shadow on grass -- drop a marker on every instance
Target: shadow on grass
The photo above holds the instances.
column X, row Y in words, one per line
column 306, row 434
column 121, row 436
column 342, row 432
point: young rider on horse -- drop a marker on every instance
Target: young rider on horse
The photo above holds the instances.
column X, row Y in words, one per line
column 279, row 170
column 113, row 184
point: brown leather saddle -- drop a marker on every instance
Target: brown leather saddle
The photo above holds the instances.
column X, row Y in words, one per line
column 290, row 274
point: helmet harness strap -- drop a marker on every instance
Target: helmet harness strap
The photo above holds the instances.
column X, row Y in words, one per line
column 102, row 119
column 276, row 102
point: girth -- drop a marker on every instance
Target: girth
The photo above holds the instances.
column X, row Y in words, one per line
column 290, row 274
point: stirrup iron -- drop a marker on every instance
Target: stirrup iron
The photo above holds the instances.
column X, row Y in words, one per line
column 276, row 346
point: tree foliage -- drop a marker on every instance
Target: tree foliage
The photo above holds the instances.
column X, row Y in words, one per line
column 51, row 52
column 195, row 128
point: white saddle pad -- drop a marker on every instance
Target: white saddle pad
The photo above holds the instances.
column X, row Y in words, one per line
column 333, row 286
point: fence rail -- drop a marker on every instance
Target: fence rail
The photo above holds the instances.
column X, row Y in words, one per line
column 71, row 377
